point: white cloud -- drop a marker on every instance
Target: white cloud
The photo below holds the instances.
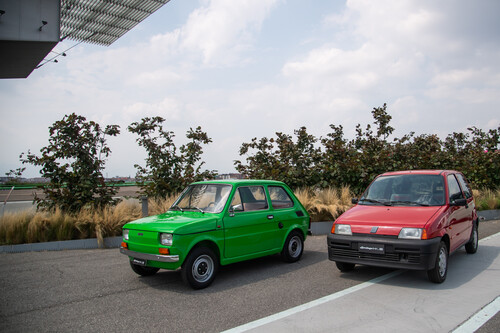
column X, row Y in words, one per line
column 434, row 62
column 219, row 32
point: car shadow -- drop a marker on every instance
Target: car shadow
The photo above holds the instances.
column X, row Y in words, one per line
column 462, row 267
column 235, row 275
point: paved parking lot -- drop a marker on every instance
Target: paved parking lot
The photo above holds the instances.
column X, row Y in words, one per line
column 95, row 290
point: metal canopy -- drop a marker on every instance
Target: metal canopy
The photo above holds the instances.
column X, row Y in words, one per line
column 103, row 21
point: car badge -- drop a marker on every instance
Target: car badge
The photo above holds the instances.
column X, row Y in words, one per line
column 374, row 230
column 140, row 234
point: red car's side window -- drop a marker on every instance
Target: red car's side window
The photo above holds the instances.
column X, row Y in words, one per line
column 454, row 190
column 465, row 186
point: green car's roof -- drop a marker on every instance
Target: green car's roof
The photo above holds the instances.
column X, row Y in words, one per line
column 242, row 182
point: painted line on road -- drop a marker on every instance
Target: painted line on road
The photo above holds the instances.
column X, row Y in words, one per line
column 306, row 306
column 480, row 318
column 328, row 298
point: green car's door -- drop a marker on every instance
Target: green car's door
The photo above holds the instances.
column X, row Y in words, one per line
column 250, row 227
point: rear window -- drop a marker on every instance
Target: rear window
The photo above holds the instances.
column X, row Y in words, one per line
column 405, row 190
column 279, row 197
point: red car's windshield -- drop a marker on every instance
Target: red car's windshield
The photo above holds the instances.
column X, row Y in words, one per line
column 405, row 190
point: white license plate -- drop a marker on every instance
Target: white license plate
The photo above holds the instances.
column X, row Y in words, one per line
column 140, row 262
column 371, row 248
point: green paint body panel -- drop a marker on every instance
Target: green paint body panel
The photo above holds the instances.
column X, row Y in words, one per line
column 233, row 235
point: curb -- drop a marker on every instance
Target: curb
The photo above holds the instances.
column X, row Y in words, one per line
column 78, row 244
column 486, row 215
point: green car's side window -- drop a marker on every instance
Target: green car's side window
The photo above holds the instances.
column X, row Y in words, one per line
column 279, row 197
column 249, row 198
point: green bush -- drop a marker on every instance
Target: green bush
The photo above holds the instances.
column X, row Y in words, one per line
column 335, row 161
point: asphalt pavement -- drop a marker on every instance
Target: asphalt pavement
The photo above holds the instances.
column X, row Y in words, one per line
column 400, row 301
column 96, row 291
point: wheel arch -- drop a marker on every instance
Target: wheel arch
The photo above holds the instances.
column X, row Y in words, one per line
column 292, row 229
column 446, row 240
column 212, row 245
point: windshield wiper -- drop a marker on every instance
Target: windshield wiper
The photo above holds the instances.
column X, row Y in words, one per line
column 201, row 210
column 408, row 202
column 175, row 206
column 385, row 203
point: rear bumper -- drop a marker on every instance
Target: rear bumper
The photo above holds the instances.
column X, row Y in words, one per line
column 397, row 253
column 147, row 256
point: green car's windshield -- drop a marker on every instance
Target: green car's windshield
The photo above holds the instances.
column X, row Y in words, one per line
column 210, row 198
column 405, row 190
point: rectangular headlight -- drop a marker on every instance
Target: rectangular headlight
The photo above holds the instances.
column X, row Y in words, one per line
column 343, row 229
column 125, row 234
column 166, row 239
column 410, row 233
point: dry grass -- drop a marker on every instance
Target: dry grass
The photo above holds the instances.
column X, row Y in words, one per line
column 159, row 206
column 31, row 227
column 326, row 204
column 487, row 199
column 43, row 226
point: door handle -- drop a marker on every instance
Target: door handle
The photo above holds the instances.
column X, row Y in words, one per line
column 270, row 217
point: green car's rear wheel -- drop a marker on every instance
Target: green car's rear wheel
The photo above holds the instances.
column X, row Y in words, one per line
column 293, row 248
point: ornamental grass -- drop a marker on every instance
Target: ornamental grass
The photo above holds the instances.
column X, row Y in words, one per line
column 31, row 226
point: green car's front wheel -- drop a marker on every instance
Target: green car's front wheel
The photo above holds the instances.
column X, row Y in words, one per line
column 200, row 268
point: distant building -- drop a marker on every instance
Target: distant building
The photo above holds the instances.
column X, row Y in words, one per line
column 230, row 176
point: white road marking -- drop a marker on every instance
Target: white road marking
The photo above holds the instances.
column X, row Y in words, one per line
column 316, row 302
column 487, row 312
column 480, row 318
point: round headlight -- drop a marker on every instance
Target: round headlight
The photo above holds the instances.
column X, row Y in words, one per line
column 166, row 239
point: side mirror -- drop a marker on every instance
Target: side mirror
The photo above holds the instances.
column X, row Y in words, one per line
column 231, row 211
column 459, row 202
column 355, row 201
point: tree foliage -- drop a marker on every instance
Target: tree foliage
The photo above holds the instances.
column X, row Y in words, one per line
column 334, row 160
column 169, row 170
column 73, row 162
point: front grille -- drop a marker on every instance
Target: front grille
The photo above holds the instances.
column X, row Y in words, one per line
column 388, row 257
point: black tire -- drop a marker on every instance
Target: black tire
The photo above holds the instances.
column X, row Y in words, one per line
column 472, row 245
column 293, row 248
column 438, row 273
column 200, row 267
column 344, row 266
column 144, row 270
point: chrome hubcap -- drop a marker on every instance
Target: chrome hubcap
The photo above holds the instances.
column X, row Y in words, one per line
column 203, row 268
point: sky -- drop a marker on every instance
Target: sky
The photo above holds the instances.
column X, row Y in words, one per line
column 245, row 69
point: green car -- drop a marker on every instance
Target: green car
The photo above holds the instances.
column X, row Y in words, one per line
column 216, row 223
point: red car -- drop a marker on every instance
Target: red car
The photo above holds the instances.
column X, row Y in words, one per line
column 409, row 220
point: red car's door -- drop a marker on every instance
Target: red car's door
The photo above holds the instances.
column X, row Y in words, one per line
column 460, row 218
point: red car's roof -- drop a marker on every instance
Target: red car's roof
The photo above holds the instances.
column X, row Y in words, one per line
column 418, row 172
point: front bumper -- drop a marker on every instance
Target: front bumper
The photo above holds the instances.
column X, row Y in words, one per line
column 148, row 256
column 397, row 253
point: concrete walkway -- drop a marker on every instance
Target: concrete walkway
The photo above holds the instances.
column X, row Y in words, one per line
column 400, row 301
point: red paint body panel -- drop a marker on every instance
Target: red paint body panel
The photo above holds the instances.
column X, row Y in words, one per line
column 438, row 201
column 389, row 220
